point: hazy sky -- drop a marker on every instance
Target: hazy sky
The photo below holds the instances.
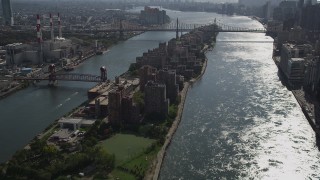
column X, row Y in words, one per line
column 217, row 1
column 214, row 1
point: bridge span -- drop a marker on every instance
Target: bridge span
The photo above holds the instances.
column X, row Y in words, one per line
column 64, row 77
column 123, row 26
column 53, row 77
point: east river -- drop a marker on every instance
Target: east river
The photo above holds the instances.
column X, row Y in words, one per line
column 239, row 121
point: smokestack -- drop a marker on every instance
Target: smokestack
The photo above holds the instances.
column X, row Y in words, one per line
column 39, row 38
column 177, row 30
column 59, row 23
column 39, row 35
column 51, row 26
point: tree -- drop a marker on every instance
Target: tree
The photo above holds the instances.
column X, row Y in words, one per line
column 104, row 160
column 133, row 67
column 37, row 145
column 138, row 98
column 21, row 155
column 49, row 150
column 76, row 162
column 173, row 110
column 90, row 141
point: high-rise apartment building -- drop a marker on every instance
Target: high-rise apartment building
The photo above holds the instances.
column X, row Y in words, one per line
column 310, row 17
column 7, row 12
column 155, row 99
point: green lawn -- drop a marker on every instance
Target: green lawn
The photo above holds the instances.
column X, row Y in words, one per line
column 121, row 175
column 140, row 164
column 134, row 168
column 126, row 146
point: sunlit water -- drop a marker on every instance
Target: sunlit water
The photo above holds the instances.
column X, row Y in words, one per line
column 239, row 121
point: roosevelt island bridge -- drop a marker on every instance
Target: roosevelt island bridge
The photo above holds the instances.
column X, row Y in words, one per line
column 53, row 76
column 127, row 27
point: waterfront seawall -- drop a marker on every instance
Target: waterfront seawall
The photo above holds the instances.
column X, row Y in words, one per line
column 308, row 105
column 157, row 164
column 309, row 108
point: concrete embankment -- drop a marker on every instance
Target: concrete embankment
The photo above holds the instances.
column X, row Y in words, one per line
column 309, row 107
column 154, row 172
column 11, row 91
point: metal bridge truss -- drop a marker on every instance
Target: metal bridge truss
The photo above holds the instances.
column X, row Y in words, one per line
column 227, row 28
column 127, row 27
column 66, row 77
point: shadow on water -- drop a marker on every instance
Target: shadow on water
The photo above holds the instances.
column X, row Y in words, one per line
column 313, row 99
column 317, row 120
column 310, row 99
column 318, row 141
column 283, row 80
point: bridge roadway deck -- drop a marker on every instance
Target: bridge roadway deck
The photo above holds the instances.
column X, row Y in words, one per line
column 168, row 30
column 64, row 77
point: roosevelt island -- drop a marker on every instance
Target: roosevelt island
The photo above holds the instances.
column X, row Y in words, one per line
column 139, row 110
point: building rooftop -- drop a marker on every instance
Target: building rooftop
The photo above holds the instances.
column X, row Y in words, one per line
column 101, row 87
column 296, row 46
column 88, row 122
column 14, row 44
column 297, row 59
column 62, row 134
column 103, row 101
column 70, row 120
column 154, row 84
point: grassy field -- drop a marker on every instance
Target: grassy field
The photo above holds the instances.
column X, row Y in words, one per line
column 136, row 167
column 118, row 174
column 126, row 146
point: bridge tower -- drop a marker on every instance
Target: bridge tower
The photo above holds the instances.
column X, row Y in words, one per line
column 103, row 73
column 52, row 75
column 60, row 27
column 51, row 30
column 121, row 29
column 177, row 30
